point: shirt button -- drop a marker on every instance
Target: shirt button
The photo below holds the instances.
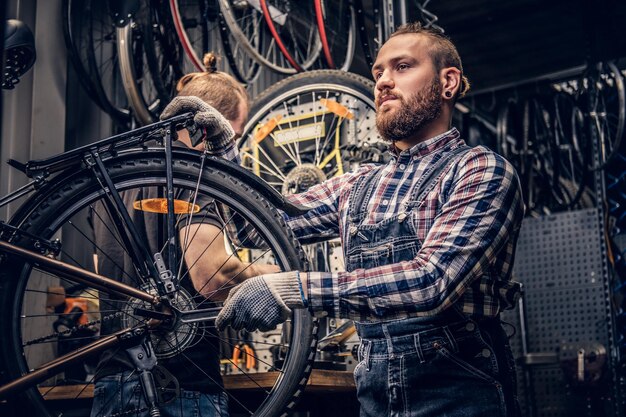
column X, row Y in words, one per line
column 385, row 202
column 415, row 157
column 486, row 353
column 402, row 166
column 469, row 327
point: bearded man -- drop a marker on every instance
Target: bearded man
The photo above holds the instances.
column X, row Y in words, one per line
column 429, row 240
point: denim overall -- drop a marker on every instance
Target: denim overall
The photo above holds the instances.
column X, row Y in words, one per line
column 448, row 365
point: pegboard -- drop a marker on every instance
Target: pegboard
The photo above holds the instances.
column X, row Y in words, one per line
column 559, row 261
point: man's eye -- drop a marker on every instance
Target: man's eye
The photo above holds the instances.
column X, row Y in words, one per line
column 378, row 75
column 402, row 67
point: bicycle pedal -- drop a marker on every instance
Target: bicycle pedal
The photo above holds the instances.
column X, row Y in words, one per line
column 168, row 388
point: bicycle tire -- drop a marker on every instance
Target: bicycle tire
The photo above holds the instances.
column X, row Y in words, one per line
column 179, row 26
column 243, row 67
column 296, row 101
column 148, row 69
column 89, row 36
column 568, row 121
column 59, row 204
column 370, row 44
column 333, row 26
column 246, row 24
column 608, row 111
column 163, row 52
column 196, row 35
column 300, row 51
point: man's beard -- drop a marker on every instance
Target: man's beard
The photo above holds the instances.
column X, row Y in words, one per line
column 417, row 111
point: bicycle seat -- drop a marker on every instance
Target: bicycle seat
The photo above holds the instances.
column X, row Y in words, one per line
column 19, row 52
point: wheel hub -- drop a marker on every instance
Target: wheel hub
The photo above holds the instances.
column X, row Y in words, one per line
column 166, row 341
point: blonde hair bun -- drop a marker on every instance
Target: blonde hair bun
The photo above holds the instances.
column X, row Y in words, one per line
column 210, row 62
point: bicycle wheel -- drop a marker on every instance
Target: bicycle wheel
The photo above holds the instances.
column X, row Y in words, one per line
column 197, row 25
column 90, row 39
column 295, row 35
column 370, row 41
column 573, row 155
column 311, row 127
column 607, row 105
column 246, row 23
column 337, row 31
column 66, row 210
column 149, row 66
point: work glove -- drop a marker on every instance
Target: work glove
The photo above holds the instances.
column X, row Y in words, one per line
column 217, row 130
column 262, row 302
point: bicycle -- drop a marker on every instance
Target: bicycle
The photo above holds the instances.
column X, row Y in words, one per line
column 48, row 243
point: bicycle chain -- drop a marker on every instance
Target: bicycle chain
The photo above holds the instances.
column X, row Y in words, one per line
column 85, row 326
column 73, row 329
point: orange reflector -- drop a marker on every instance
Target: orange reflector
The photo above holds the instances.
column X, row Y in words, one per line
column 263, row 131
column 338, row 109
column 159, row 205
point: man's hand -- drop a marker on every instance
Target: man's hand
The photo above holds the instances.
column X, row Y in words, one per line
column 217, row 128
column 262, row 302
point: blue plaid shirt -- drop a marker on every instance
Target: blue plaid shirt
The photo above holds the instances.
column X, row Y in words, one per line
column 468, row 225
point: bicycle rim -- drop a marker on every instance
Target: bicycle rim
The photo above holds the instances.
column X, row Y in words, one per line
column 370, row 42
column 90, row 37
column 67, row 211
column 246, row 24
column 311, row 127
column 291, row 26
column 198, row 24
column 608, row 111
column 336, row 23
column 150, row 62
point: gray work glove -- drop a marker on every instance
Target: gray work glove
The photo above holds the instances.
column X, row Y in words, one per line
column 217, row 129
column 262, row 302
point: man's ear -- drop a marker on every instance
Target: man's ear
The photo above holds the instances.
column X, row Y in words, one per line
column 450, row 81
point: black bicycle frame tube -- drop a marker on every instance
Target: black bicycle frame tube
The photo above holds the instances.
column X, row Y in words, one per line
column 171, row 229
column 123, row 223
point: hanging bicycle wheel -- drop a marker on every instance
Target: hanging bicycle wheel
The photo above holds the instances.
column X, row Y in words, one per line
column 291, row 25
column 198, row 25
column 91, row 42
column 311, row 127
column 247, row 24
column 45, row 314
column 372, row 40
column 336, row 23
column 608, row 112
column 574, row 151
column 149, row 66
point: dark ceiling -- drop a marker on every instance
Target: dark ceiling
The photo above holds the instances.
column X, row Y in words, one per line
column 506, row 42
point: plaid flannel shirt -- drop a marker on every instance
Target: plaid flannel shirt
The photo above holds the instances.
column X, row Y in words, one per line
column 468, row 225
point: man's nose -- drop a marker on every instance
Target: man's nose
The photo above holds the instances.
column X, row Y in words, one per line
column 385, row 82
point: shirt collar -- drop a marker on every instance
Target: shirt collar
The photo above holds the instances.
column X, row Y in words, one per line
column 430, row 145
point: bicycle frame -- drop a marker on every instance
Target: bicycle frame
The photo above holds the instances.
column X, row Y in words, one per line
column 92, row 155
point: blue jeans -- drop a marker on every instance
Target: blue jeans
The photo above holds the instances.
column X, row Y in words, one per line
column 408, row 368
column 118, row 393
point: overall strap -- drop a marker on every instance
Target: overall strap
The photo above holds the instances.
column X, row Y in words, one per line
column 363, row 191
column 432, row 175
